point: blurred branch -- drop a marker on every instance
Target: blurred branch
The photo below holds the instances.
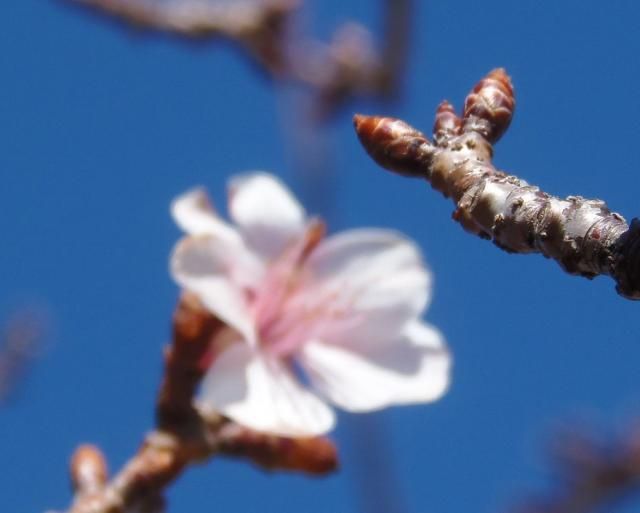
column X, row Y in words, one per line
column 19, row 343
column 397, row 40
column 185, row 436
column 257, row 26
column 582, row 235
column 372, row 461
column 594, row 475
column 348, row 67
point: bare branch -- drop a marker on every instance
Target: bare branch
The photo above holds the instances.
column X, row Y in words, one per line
column 582, row 235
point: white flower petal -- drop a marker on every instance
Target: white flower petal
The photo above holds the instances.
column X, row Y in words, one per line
column 362, row 377
column 204, row 266
column 194, row 214
column 261, row 393
column 369, row 284
column 266, row 213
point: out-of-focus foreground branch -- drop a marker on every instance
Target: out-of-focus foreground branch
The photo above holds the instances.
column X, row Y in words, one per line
column 593, row 475
column 184, row 435
column 582, row 235
column 350, row 66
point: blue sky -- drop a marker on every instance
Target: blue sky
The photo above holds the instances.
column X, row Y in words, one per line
column 100, row 128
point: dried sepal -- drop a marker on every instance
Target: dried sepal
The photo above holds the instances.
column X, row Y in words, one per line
column 316, row 456
column 447, row 123
column 394, row 144
column 489, row 107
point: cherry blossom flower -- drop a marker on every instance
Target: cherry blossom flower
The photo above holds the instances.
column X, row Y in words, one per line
column 314, row 320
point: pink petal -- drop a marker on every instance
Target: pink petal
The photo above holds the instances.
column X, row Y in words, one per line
column 205, row 266
column 266, row 213
column 414, row 368
column 261, row 393
column 362, row 284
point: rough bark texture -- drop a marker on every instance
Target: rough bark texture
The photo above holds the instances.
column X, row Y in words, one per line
column 582, row 235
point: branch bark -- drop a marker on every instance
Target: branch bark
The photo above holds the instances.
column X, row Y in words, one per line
column 185, row 436
column 582, row 235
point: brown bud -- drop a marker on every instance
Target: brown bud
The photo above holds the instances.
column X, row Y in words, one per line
column 394, row 144
column 447, row 123
column 88, row 469
column 489, row 107
column 317, row 456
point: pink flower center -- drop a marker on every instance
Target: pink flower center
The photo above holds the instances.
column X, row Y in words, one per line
column 284, row 317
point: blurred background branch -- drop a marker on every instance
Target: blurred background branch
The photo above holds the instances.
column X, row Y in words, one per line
column 348, row 67
column 20, row 344
column 592, row 474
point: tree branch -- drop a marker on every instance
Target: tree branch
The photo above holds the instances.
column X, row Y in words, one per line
column 582, row 235
column 593, row 474
column 256, row 26
column 185, row 436
column 347, row 68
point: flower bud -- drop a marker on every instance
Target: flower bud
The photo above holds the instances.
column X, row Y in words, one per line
column 447, row 123
column 489, row 107
column 394, row 144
